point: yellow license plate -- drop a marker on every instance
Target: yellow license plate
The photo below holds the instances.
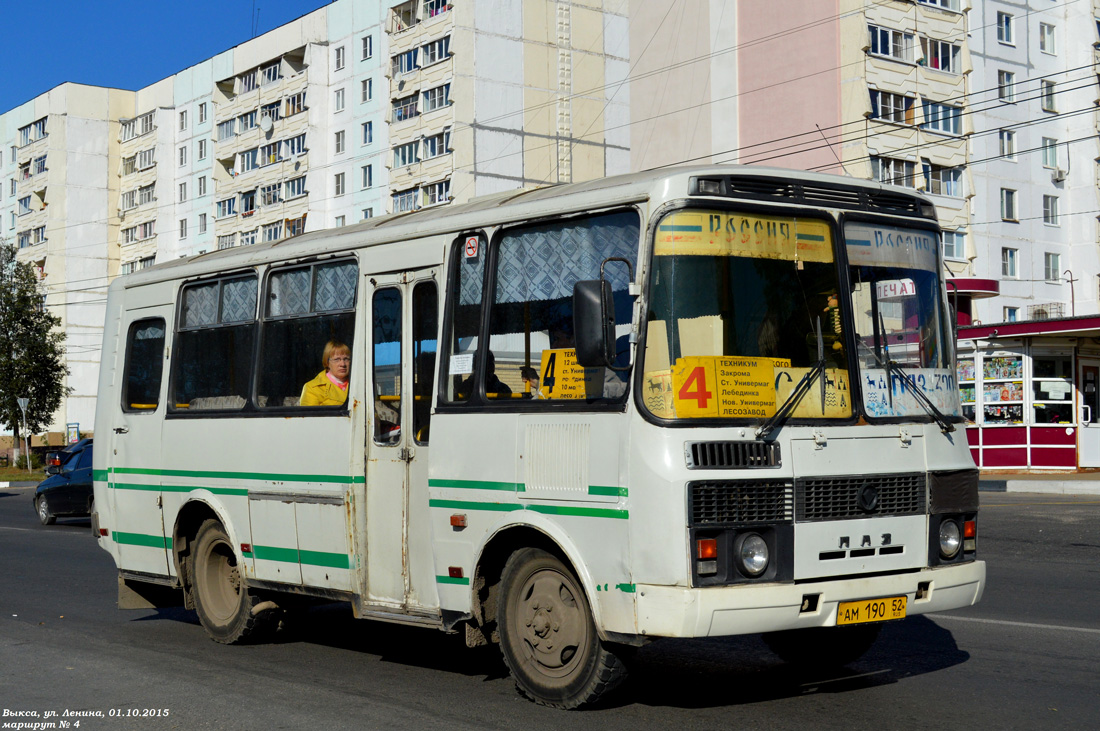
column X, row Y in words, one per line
column 871, row 610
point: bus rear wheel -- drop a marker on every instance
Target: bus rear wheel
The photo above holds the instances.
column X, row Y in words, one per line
column 547, row 635
column 823, row 647
column 222, row 599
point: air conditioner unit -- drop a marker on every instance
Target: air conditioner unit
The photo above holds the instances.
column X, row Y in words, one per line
column 1058, row 175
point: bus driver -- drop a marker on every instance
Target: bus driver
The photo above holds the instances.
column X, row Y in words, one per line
column 330, row 386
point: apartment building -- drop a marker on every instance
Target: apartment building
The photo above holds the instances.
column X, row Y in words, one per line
column 357, row 109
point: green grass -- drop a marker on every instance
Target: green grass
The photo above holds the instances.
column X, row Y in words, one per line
column 10, row 474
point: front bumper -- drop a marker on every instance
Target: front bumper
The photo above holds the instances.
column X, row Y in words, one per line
column 670, row 611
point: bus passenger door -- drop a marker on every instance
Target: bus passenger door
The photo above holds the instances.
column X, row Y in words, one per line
column 403, row 324
column 133, row 482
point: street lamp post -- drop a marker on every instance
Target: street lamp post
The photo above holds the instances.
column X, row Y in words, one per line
column 26, row 450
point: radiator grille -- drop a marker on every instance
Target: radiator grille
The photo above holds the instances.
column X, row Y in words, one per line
column 729, row 455
column 744, row 503
column 814, row 193
column 835, row 498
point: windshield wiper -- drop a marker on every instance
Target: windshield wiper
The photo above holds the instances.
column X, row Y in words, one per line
column 918, row 393
column 784, row 412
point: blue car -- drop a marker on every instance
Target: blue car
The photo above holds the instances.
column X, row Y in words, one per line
column 68, row 489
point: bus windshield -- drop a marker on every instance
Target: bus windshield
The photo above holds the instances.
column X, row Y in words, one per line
column 902, row 334
column 741, row 308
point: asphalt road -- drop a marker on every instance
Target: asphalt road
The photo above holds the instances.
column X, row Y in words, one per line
column 1025, row 657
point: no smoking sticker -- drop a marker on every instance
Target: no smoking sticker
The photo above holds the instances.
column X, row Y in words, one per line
column 471, row 247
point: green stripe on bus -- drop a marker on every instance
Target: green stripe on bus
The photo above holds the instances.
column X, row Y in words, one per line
column 141, row 539
column 477, row 485
column 99, row 475
column 463, row 580
column 264, row 476
column 628, row 588
column 470, row 505
column 546, row 509
column 305, row 558
column 601, row 490
column 809, row 237
column 178, row 488
column 580, row 512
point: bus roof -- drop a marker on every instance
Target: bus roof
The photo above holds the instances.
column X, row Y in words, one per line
column 489, row 210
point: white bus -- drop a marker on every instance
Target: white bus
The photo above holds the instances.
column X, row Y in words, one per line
column 688, row 403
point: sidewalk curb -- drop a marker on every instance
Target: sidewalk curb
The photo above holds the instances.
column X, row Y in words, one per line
column 1046, row 487
column 24, row 483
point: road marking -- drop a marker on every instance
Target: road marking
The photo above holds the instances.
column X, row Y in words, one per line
column 1034, row 505
column 4, row 527
column 1032, row 625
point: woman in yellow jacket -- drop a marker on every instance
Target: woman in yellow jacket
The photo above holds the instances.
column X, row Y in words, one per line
column 330, row 386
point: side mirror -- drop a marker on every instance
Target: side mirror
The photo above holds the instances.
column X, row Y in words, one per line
column 53, row 470
column 594, row 323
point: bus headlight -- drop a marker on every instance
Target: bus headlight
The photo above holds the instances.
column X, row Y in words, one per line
column 752, row 554
column 950, row 539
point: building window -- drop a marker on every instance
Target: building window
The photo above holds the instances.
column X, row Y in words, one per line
column 340, row 220
column 433, row 8
column 296, row 145
column 202, row 112
column 339, row 142
column 437, row 193
column 1052, row 267
column 1050, row 152
column 940, row 55
column 405, row 63
column 227, row 129
column 406, row 154
column 1008, row 263
column 295, row 226
column 226, row 208
column 183, row 192
column 146, row 194
column 270, row 194
column 202, row 186
column 405, row 108
column 227, row 241
column 1010, row 314
column 248, row 237
column 129, row 165
column 295, row 103
column 146, row 158
column 129, row 200
column 942, row 180
column 437, row 145
column 273, row 231
column 249, row 160
column 1008, row 144
column 954, row 245
column 271, row 153
column 1050, row 210
column 368, row 176
column 886, row 42
column 295, row 188
column 39, row 165
column 437, row 51
column 183, row 120
column 1004, row 28
column 1046, row 90
column 183, row 156
column 202, row 149
column 368, row 133
column 183, row 228
column 368, row 213
column 339, row 59
column 338, row 100
column 202, row 223
column 891, row 107
column 271, row 74
column 273, row 111
column 368, row 47
column 404, row 200
column 246, row 121
column 437, row 98
column 942, row 118
column 367, row 90
column 248, row 81
column 248, row 203
column 1008, row 205
column 1006, row 86
column 1046, row 38
column 338, row 184
column 893, row 172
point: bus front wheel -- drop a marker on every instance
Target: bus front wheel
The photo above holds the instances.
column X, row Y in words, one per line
column 547, row 635
column 222, row 600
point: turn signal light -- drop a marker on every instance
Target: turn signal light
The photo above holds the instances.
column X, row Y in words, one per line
column 706, row 548
column 104, row 532
column 970, row 529
column 458, row 520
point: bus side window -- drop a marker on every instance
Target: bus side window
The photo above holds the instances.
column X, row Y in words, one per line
column 386, row 380
column 144, row 365
column 466, row 285
column 212, row 370
column 305, row 307
column 425, row 324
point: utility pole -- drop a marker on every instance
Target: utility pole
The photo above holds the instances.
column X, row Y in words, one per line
column 26, row 450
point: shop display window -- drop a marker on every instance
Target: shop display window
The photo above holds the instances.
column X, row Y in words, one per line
column 1052, row 389
column 967, row 388
column 1003, row 389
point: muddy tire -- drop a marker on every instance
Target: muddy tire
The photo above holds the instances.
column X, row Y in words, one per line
column 222, row 599
column 547, row 635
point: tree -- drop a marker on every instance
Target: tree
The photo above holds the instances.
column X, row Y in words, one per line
column 32, row 355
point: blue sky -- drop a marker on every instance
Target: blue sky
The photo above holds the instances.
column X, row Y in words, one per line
column 124, row 43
